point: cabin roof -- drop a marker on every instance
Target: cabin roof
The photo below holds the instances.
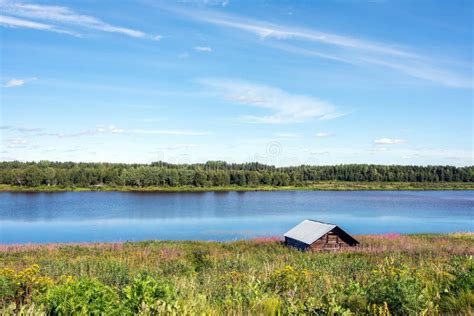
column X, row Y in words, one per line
column 308, row 231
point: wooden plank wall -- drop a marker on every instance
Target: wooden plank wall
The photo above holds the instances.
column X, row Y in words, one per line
column 329, row 241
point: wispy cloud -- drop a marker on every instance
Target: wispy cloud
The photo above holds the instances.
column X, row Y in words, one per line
column 269, row 30
column 60, row 19
column 286, row 135
column 17, row 143
column 171, row 132
column 20, row 129
column 180, row 146
column 203, row 49
column 389, row 141
column 9, row 21
column 152, row 119
column 100, row 129
column 285, row 107
column 18, row 82
column 111, row 128
column 184, row 55
column 338, row 48
column 221, row 3
column 323, row 134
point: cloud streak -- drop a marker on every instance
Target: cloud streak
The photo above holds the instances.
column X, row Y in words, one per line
column 323, row 134
column 100, row 129
column 268, row 30
column 284, row 106
column 9, row 21
column 337, row 48
column 17, row 143
column 203, row 49
column 286, row 135
column 171, row 132
column 59, row 18
column 389, row 141
column 12, row 83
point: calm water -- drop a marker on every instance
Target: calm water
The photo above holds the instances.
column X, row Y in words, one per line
column 115, row 216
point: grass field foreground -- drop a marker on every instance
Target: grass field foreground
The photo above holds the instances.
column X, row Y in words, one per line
column 387, row 275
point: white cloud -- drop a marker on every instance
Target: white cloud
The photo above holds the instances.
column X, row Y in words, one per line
column 152, row 120
column 286, row 135
column 100, row 129
column 268, row 30
column 203, row 49
column 18, row 82
column 389, row 141
column 110, row 128
column 318, row 153
column 171, row 132
column 342, row 48
column 285, row 107
column 183, row 56
column 62, row 16
column 15, row 22
column 20, row 129
column 221, row 3
column 180, row 146
column 17, row 143
column 323, row 134
column 115, row 130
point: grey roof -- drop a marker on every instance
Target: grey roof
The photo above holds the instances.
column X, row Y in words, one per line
column 308, row 231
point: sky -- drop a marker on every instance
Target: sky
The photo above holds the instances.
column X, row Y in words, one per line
column 278, row 82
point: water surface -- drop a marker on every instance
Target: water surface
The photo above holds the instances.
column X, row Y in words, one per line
column 120, row 216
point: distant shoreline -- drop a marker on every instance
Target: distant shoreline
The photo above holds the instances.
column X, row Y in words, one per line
column 320, row 186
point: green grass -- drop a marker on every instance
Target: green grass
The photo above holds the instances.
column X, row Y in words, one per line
column 427, row 274
column 328, row 185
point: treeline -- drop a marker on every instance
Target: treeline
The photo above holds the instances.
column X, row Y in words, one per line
column 216, row 173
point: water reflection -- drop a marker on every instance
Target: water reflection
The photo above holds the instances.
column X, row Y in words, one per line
column 115, row 216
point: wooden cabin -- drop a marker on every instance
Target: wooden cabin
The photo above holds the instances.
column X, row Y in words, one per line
column 315, row 235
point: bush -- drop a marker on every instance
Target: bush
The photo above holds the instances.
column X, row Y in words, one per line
column 397, row 286
column 146, row 292
column 287, row 281
column 354, row 297
column 201, row 260
column 459, row 297
column 83, row 296
column 20, row 287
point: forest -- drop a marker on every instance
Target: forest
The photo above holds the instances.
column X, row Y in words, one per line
column 217, row 174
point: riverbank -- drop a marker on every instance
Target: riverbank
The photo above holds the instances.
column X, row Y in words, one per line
column 392, row 273
column 319, row 186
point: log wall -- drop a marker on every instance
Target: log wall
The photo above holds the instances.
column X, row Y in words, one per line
column 329, row 241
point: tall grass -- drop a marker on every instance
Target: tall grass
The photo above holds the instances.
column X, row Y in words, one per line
column 387, row 274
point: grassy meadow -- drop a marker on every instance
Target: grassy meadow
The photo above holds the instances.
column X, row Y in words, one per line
column 387, row 275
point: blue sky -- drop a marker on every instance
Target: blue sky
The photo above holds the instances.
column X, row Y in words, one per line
column 279, row 82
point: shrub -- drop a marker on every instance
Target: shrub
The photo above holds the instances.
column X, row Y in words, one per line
column 20, row 287
column 354, row 297
column 459, row 298
column 146, row 292
column 201, row 260
column 287, row 281
column 397, row 286
column 83, row 296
